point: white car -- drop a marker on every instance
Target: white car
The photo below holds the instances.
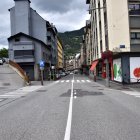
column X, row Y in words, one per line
column 62, row 74
column 1, row 62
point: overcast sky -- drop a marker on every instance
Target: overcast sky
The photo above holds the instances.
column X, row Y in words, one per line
column 66, row 15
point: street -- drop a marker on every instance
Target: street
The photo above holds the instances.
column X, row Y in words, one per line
column 72, row 108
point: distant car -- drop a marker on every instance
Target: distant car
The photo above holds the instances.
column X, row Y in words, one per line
column 63, row 74
column 71, row 72
column 57, row 76
column 1, row 61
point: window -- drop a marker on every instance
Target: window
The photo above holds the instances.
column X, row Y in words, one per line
column 23, row 53
column 132, row 35
column 134, row 6
column 135, row 35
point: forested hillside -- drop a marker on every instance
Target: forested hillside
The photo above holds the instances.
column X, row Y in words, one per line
column 71, row 41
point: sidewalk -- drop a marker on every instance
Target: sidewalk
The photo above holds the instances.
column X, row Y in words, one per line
column 33, row 83
column 119, row 86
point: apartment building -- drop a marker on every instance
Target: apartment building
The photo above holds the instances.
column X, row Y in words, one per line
column 115, row 38
column 60, row 55
column 32, row 39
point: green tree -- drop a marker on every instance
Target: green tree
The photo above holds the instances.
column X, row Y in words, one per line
column 4, row 52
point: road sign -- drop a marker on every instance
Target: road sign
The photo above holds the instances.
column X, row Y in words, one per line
column 42, row 63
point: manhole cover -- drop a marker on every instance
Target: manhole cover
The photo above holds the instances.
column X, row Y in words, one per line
column 6, row 84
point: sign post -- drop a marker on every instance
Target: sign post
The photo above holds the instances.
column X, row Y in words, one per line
column 53, row 67
column 42, row 65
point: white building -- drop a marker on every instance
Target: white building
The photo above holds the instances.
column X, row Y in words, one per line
column 115, row 32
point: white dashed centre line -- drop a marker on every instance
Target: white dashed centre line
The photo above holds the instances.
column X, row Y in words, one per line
column 69, row 120
column 78, row 81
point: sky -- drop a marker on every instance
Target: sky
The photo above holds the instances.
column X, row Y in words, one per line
column 66, row 15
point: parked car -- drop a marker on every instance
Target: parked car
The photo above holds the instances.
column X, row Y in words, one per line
column 71, row 72
column 1, row 61
column 63, row 74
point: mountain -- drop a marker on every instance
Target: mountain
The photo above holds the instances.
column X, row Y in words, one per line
column 71, row 41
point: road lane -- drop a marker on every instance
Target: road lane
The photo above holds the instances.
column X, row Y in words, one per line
column 39, row 116
column 98, row 113
column 103, row 114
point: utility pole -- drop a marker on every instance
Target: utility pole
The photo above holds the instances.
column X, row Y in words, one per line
column 107, row 73
column 42, row 65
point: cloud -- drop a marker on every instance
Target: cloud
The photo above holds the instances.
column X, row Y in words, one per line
column 69, row 21
column 59, row 6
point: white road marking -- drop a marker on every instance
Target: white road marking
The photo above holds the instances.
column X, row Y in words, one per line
column 132, row 93
column 75, row 97
column 138, row 96
column 69, row 120
column 10, row 96
column 62, row 81
column 88, row 81
column 57, row 81
column 67, row 81
column 20, row 92
column 72, row 81
column 83, row 81
column 78, row 81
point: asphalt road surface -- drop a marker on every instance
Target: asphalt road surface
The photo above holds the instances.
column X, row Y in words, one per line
column 72, row 108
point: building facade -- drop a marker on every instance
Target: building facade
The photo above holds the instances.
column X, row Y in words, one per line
column 115, row 41
column 32, row 39
column 60, row 55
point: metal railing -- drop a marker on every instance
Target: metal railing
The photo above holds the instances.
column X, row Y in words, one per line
column 20, row 71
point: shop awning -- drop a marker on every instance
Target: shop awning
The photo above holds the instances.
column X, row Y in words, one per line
column 94, row 65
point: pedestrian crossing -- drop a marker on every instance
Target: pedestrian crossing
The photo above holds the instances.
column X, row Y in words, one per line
column 133, row 93
column 75, row 81
column 19, row 93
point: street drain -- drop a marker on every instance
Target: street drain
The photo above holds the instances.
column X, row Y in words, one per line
column 6, row 84
column 41, row 91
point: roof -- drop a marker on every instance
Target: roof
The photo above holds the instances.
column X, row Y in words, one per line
column 51, row 27
column 20, row 34
column 23, row 0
